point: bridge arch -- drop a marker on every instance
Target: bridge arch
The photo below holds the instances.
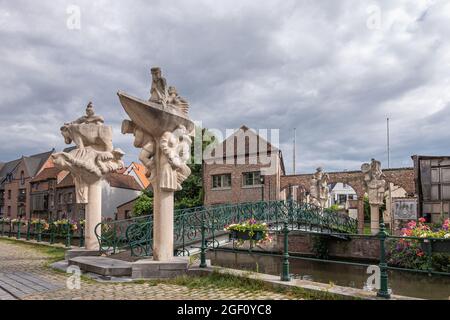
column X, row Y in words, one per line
column 402, row 177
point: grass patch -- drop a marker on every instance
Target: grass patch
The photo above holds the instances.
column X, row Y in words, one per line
column 220, row 280
column 52, row 254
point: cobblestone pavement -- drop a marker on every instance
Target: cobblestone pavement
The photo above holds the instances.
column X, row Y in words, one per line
column 24, row 275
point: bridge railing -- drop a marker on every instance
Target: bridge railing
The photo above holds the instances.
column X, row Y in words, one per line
column 137, row 234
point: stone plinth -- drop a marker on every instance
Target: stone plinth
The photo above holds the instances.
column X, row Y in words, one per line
column 81, row 252
column 152, row 269
column 103, row 266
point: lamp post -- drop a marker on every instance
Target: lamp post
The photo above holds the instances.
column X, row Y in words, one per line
column 261, row 179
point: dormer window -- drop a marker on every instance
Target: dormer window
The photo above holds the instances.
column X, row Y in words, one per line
column 22, row 178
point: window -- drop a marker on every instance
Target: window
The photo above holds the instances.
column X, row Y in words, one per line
column 342, row 198
column 22, row 177
column 221, row 181
column 70, row 197
column 9, row 194
column 127, row 214
column 60, row 198
column 51, row 200
column 9, row 211
column 252, row 179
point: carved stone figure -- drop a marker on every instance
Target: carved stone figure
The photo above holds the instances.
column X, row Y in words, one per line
column 158, row 92
column 376, row 187
column 319, row 190
column 176, row 146
column 168, row 97
column 162, row 130
column 375, row 184
column 177, row 102
column 93, row 157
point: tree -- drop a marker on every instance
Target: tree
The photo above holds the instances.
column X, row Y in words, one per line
column 144, row 204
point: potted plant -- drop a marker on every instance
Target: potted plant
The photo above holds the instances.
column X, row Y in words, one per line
column 249, row 230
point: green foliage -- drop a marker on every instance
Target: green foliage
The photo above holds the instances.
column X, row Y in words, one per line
column 333, row 209
column 143, row 205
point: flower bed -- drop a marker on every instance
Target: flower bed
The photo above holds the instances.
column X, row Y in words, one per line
column 413, row 253
column 249, row 230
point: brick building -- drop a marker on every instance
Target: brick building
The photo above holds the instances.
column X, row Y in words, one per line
column 15, row 177
column 245, row 167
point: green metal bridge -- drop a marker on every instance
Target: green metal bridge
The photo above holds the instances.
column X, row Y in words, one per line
column 135, row 234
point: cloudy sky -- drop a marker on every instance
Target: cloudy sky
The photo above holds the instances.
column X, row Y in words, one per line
column 333, row 69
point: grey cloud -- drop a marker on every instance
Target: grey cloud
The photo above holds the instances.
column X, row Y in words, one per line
column 276, row 64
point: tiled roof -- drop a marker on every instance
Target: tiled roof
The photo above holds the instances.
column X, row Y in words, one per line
column 140, row 172
column 48, row 173
column 35, row 162
column 118, row 180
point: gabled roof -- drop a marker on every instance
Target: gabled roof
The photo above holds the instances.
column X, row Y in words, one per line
column 244, row 134
column 46, row 174
column 35, row 162
column 118, row 180
column 139, row 171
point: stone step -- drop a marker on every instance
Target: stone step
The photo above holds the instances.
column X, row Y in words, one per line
column 103, row 266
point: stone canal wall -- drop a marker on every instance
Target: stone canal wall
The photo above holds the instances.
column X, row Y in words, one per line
column 354, row 248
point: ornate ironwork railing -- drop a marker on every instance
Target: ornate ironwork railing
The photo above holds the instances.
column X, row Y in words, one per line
column 136, row 234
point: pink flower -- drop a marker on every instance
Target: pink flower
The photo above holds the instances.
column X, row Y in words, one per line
column 412, row 224
column 422, row 220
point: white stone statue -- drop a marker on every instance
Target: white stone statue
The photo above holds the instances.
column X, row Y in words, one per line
column 373, row 179
column 319, row 190
column 168, row 97
column 375, row 187
column 162, row 130
column 93, row 158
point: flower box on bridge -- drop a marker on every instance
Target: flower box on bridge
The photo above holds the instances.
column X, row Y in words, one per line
column 245, row 235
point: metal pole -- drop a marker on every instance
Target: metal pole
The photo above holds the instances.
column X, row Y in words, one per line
column 384, row 290
column 203, row 248
column 285, row 276
column 18, row 227
column 388, row 142
column 295, row 151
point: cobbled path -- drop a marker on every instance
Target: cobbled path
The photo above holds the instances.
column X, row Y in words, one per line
column 24, row 275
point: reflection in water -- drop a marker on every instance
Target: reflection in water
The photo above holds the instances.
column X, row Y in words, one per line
column 401, row 283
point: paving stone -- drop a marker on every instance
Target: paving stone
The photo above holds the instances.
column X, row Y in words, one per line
column 26, row 269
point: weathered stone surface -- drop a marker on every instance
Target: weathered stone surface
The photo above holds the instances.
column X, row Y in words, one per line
column 80, row 252
column 93, row 157
column 152, row 269
column 162, row 131
column 103, row 266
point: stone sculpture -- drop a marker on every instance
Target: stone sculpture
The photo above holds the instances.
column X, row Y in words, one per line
column 93, row 158
column 319, row 190
column 168, row 97
column 162, row 130
column 375, row 187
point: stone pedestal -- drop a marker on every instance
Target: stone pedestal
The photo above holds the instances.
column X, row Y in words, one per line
column 93, row 215
column 162, row 130
column 374, row 219
column 151, row 269
column 163, row 225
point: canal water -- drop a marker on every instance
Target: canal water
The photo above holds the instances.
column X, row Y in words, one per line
column 400, row 282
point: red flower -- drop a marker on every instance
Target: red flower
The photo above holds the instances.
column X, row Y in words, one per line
column 422, row 220
column 420, row 253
